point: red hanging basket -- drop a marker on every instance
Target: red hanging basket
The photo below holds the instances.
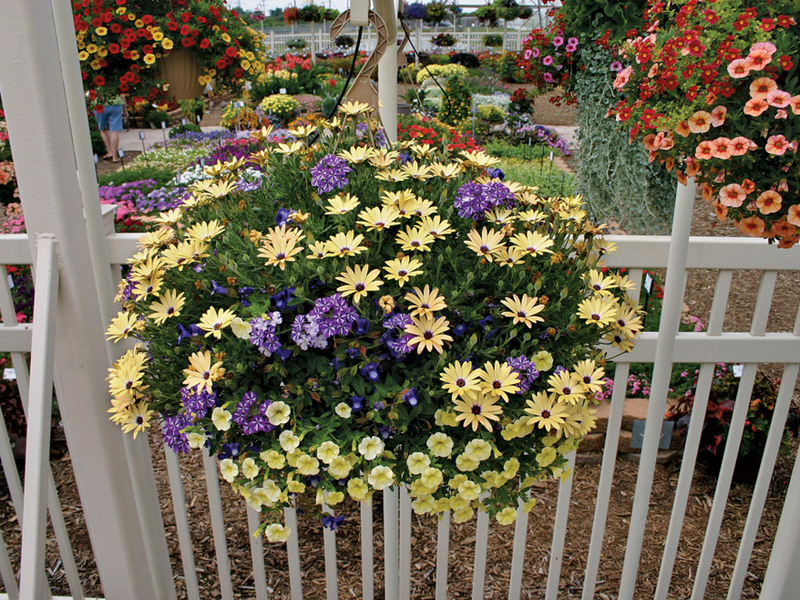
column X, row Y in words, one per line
column 181, row 71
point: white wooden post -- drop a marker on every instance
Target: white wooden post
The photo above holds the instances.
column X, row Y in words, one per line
column 387, row 69
column 35, row 91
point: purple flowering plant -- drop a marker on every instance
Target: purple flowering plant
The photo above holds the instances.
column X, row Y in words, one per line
column 360, row 321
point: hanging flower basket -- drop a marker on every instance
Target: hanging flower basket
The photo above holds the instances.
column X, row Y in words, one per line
column 181, row 72
column 356, row 317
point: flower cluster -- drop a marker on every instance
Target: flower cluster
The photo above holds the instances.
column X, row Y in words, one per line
column 717, row 98
column 547, row 56
column 344, row 329
column 443, row 40
column 442, row 72
column 119, row 45
column 279, row 108
column 434, row 133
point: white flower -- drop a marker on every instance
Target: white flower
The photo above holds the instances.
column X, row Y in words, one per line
column 278, row 413
column 229, row 469
column 417, row 462
column 440, row 444
column 249, row 468
column 196, row 440
column 327, row 451
column 380, row 477
column 221, row 418
column 288, row 441
column 241, row 329
column 343, row 410
column 371, row 447
column 277, row 532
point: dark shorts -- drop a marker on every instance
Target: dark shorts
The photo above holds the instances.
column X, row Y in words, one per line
column 110, row 118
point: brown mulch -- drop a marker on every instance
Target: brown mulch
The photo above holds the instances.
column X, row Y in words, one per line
column 698, row 297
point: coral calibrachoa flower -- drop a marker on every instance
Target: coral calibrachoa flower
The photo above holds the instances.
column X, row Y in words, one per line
column 295, row 333
column 713, row 92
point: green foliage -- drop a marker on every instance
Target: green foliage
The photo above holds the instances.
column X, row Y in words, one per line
column 157, row 117
column 327, row 106
column 436, row 13
column 457, row 102
column 137, row 173
column 467, row 59
column 614, row 176
column 542, row 174
column 296, row 44
column 192, row 108
column 493, row 40
column 590, row 19
column 490, row 113
column 487, row 15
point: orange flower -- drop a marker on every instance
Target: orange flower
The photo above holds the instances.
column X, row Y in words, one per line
column 682, row 128
column 782, row 229
column 757, row 59
column 779, row 98
column 704, row 150
column 769, row 202
column 795, row 104
column 739, row 146
column 665, row 141
column 708, row 192
column 762, row 86
column 738, row 68
column 718, row 115
column 794, row 215
column 692, row 167
column 755, row 106
column 749, row 186
column 721, row 148
column 751, row 226
column 700, row 122
column 649, row 142
column 777, row 144
column 732, row 195
column 722, row 211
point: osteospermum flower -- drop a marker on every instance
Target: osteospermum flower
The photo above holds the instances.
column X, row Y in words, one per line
column 589, row 375
column 414, row 238
column 598, row 309
column 401, row 269
column 168, row 305
column 341, row 204
column 545, row 412
column 201, row 374
column 566, row 385
column 485, row 243
column 532, row 242
column 359, row 282
column 523, row 310
column 345, row 244
column 499, row 379
column 137, row 419
column 205, row 231
column 425, row 301
column 428, row 333
column 378, row 218
column 476, row 409
column 214, row 321
column 436, row 226
column 357, row 154
column 122, row 326
column 460, row 379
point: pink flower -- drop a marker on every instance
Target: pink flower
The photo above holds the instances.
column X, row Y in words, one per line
column 739, row 146
column 738, row 68
column 622, row 78
column 769, row 202
column 781, row 114
column 755, row 106
column 527, row 54
column 704, row 150
column 779, row 98
column 794, row 215
column 718, row 115
column 700, row 122
column 547, row 61
column 795, row 104
column 777, row 144
column 721, row 148
column 761, row 87
column 760, row 55
column 764, row 47
column 732, row 195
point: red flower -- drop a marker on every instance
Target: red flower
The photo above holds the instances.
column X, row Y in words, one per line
column 204, row 43
column 99, row 81
column 186, row 17
column 188, row 42
column 185, row 29
column 221, row 64
column 786, row 62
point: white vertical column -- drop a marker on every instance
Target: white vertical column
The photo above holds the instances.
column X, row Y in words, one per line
column 34, row 98
column 387, row 69
column 662, row 370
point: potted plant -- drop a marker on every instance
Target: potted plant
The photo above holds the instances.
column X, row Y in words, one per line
column 721, row 107
column 443, row 40
column 493, row 40
column 365, row 318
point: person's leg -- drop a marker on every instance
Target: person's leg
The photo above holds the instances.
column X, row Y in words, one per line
column 114, row 127
column 102, row 126
column 107, row 142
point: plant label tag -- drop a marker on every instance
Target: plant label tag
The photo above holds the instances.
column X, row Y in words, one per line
column 551, row 157
column 141, row 135
column 95, row 158
column 637, row 435
column 248, row 85
column 10, row 281
column 737, row 370
column 9, row 374
column 121, row 153
column 183, row 121
column 163, row 125
column 648, row 283
column 282, row 91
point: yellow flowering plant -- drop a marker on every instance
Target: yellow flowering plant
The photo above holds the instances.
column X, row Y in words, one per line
column 370, row 314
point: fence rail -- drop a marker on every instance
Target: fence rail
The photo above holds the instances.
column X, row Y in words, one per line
column 725, row 255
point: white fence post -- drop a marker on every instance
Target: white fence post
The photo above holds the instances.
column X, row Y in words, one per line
column 34, row 97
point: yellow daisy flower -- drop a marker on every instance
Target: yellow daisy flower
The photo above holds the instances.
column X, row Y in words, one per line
column 415, row 239
column 568, row 387
column 357, row 154
column 201, row 374
column 345, row 244
column 499, row 380
column 485, row 243
column 168, row 305
column 545, row 412
column 460, row 379
column 600, row 310
column 425, row 302
column 477, row 409
column 590, row 376
column 122, row 326
column 205, row 232
column 532, row 242
column 428, row 333
column 523, row 310
column 436, row 226
column 214, row 321
column 359, row 282
column 401, row 269
column 341, row 204
column 138, row 419
column 378, row 218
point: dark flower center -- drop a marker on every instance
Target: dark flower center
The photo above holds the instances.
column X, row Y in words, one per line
column 461, row 382
column 497, row 385
column 546, row 414
column 476, row 409
column 360, row 287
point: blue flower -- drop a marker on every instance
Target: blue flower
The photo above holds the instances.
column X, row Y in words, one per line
column 460, row 329
column 361, row 327
column 218, row 289
column 410, row 397
column 330, row 174
column 188, row 332
column 282, row 216
column 356, row 402
column 281, row 299
column 371, row 371
column 332, row 522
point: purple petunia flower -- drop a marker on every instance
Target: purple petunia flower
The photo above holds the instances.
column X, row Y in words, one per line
column 330, row 174
column 172, row 434
column 616, row 66
column 197, row 402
